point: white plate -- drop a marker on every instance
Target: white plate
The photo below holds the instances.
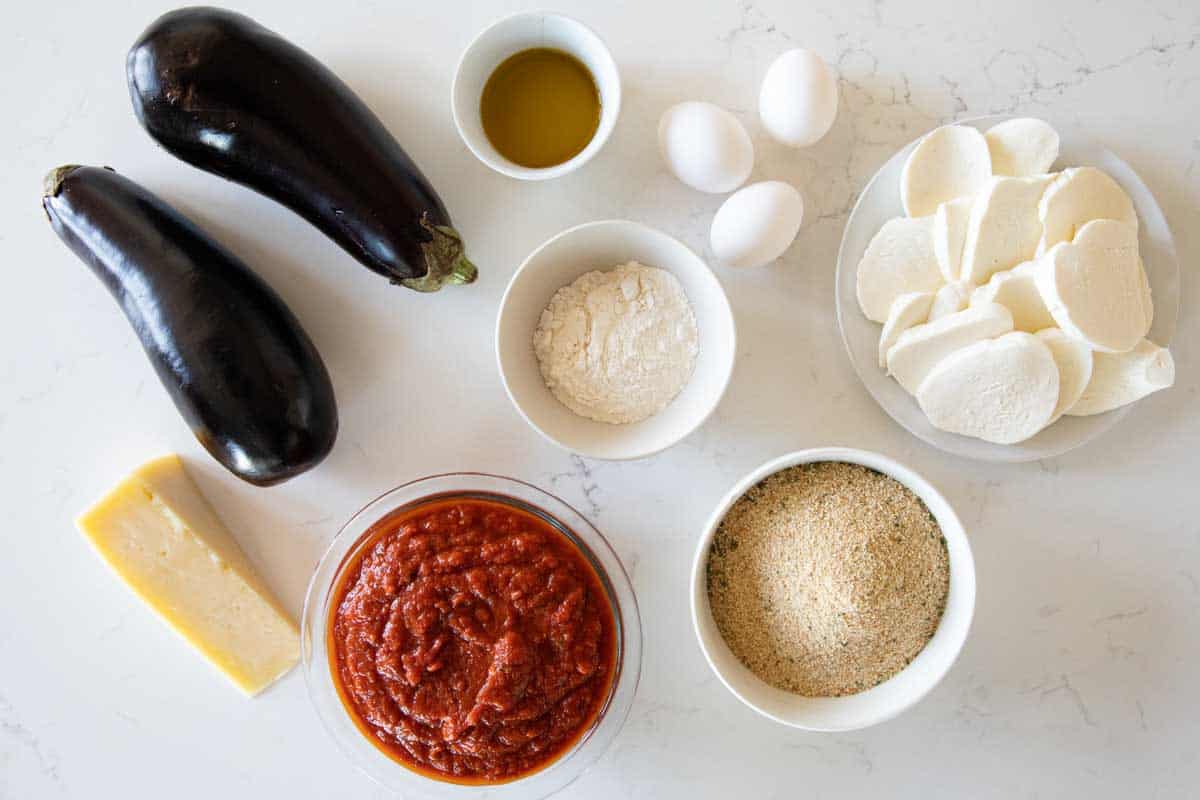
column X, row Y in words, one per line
column 880, row 201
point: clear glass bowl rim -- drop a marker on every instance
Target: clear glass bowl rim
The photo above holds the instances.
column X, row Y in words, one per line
column 390, row 773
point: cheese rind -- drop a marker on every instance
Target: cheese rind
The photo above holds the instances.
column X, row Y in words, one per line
column 949, row 233
column 162, row 538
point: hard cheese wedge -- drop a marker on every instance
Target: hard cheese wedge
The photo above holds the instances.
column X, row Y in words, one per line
column 162, row 538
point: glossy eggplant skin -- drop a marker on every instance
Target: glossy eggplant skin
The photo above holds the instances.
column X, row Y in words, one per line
column 234, row 359
column 225, row 94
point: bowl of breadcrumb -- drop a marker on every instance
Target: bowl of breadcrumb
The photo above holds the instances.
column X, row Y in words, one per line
column 615, row 340
column 832, row 589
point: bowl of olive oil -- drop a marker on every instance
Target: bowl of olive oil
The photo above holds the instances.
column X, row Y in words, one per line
column 536, row 95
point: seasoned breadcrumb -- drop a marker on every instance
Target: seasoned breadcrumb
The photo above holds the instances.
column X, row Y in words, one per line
column 826, row 579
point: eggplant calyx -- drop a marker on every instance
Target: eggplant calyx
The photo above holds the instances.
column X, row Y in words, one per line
column 445, row 261
column 55, row 177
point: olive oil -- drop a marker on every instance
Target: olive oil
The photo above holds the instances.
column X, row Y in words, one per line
column 540, row 107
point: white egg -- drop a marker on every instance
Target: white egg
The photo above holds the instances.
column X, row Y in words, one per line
column 756, row 224
column 705, row 146
column 799, row 98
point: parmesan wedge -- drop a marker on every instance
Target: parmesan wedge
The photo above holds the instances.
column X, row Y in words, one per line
column 1022, row 147
column 1095, row 287
column 949, row 162
column 1078, row 196
column 919, row 349
column 1016, row 289
column 1074, row 360
column 1000, row 390
column 1004, row 227
column 162, row 538
column 1121, row 378
column 949, row 232
column 950, row 298
column 899, row 259
column 910, row 308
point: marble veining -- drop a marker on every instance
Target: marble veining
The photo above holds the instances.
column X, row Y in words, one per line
column 1078, row 679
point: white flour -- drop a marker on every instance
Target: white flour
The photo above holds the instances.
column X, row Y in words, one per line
column 617, row 346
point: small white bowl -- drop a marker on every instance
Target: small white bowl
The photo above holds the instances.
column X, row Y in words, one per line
column 894, row 695
column 604, row 245
column 509, row 36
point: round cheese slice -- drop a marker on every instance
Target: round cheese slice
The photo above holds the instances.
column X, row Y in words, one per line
column 1000, row 390
column 1016, row 289
column 1095, row 287
column 921, row 348
column 949, row 233
column 950, row 298
column 1078, row 196
column 1022, row 147
column 1074, row 360
column 1121, row 378
column 909, row 309
column 899, row 259
column 951, row 161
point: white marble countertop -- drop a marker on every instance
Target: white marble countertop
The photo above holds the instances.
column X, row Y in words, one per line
column 1079, row 678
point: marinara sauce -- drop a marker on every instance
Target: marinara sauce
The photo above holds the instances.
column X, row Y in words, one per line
column 471, row 640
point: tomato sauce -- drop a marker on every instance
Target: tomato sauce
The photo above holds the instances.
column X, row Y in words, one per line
column 471, row 640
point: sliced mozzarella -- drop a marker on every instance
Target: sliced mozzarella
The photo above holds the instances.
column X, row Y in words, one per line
column 999, row 390
column 950, row 298
column 919, row 349
column 1004, row 227
column 1147, row 296
column 951, row 161
column 1094, row 287
column 949, row 232
column 1016, row 289
column 909, row 309
column 1120, row 378
column 1078, row 196
column 1074, row 360
column 1022, row 147
column 899, row 259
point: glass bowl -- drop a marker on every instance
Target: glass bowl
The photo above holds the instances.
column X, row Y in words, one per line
column 315, row 652
column 880, row 201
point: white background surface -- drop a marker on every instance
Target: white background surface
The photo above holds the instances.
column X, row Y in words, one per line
column 1080, row 675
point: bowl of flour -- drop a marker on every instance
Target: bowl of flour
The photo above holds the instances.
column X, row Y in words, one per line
column 615, row 340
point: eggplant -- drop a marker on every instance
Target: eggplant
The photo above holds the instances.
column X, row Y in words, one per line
column 234, row 359
column 225, row 94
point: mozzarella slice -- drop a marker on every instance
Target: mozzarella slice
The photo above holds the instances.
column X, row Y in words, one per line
column 1022, row 147
column 949, row 232
column 899, row 259
column 1016, row 289
column 1074, row 360
column 1121, row 378
column 1147, row 296
column 1095, row 287
column 909, row 309
column 950, row 298
column 999, row 390
column 1078, row 196
column 1004, row 227
column 919, row 349
column 951, row 161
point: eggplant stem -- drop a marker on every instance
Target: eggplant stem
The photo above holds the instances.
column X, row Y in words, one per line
column 55, row 177
column 445, row 261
